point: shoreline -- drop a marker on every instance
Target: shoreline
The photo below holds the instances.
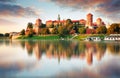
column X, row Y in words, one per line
column 80, row 37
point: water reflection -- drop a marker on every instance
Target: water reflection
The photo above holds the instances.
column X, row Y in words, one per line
column 67, row 49
column 60, row 50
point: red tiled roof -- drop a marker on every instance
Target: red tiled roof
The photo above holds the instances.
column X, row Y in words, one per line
column 75, row 20
column 49, row 21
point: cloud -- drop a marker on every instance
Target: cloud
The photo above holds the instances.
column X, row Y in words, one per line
column 7, row 1
column 4, row 22
column 102, row 7
column 16, row 10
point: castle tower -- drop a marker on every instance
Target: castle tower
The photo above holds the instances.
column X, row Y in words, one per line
column 37, row 25
column 99, row 22
column 38, row 22
column 89, row 20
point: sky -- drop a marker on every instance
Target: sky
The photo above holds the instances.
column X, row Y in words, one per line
column 15, row 14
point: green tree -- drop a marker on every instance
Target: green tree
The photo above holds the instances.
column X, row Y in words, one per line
column 30, row 33
column 75, row 27
column 30, row 25
column 43, row 26
column 30, row 29
column 51, row 26
column 7, row 34
column 69, row 27
column 114, row 29
column 44, row 31
column 22, row 32
column 101, row 30
column 82, row 30
column 1, row 35
column 62, row 30
column 68, row 21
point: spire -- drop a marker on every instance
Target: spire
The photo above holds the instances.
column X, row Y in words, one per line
column 58, row 17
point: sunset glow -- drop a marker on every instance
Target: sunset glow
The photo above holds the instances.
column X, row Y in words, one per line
column 15, row 14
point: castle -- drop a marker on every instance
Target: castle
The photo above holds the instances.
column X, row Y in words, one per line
column 88, row 23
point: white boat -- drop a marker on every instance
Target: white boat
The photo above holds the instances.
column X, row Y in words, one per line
column 93, row 39
column 112, row 37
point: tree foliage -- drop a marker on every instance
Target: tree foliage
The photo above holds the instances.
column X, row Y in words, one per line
column 68, row 21
column 22, row 32
column 82, row 30
column 7, row 34
column 1, row 35
column 43, row 26
column 54, row 31
column 44, row 31
column 30, row 25
column 30, row 29
column 114, row 29
column 101, row 30
column 51, row 26
column 30, row 34
column 62, row 30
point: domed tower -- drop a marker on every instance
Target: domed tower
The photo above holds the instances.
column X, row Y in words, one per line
column 37, row 26
column 89, row 20
column 99, row 22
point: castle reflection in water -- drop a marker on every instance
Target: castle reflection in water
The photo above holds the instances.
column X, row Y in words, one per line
column 69, row 49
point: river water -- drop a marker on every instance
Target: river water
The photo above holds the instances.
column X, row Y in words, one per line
column 59, row 58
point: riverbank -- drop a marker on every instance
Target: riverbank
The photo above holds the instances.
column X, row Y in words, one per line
column 45, row 37
column 84, row 36
column 80, row 37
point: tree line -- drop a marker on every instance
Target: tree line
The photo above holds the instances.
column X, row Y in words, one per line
column 4, row 35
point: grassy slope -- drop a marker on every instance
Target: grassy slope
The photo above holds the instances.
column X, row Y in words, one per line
column 53, row 37
column 83, row 36
column 56, row 37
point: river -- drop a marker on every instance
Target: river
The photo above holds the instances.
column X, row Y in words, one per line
column 59, row 58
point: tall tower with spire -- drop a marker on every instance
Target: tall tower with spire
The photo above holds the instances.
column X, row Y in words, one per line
column 58, row 17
